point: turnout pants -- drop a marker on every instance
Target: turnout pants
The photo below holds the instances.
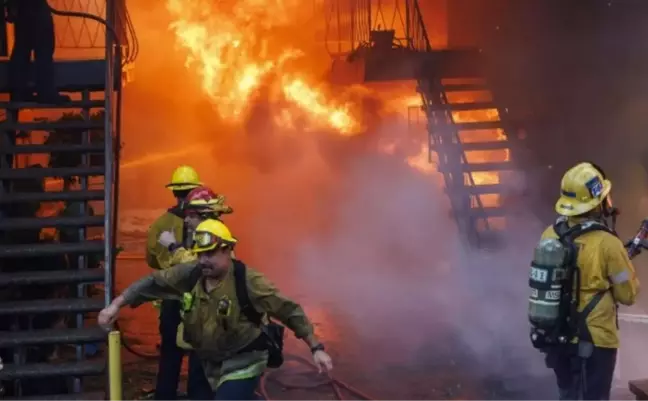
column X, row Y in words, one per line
column 170, row 362
column 589, row 378
column 242, row 389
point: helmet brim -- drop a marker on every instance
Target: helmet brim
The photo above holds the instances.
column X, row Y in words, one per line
column 569, row 207
column 198, row 250
column 182, row 186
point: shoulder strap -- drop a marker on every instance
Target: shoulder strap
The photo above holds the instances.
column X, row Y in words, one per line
column 583, row 331
column 240, row 281
column 565, row 232
column 569, row 234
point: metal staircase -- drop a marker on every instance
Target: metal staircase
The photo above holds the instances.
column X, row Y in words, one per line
column 473, row 156
column 468, row 131
column 46, row 285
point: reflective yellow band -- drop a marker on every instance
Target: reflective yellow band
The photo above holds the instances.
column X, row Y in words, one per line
column 254, row 370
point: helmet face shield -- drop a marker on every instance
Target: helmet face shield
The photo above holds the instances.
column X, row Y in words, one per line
column 205, row 241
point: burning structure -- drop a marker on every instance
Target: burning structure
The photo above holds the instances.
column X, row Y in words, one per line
column 428, row 129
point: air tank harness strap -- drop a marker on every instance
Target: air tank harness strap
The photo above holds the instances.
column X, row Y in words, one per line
column 585, row 343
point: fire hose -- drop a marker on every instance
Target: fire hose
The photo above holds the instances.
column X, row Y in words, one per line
column 334, row 383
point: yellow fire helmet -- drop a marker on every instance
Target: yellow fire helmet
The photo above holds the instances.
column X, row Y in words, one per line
column 184, row 178
column 582, row 188
column 212, row 234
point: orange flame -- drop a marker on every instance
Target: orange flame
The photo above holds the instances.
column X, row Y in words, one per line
column 228, row 43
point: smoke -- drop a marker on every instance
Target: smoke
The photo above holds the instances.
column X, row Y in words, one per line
column 392, row 264
column 346, row 222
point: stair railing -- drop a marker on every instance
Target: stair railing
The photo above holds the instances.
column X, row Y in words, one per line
column 418, row 40
column 112, row 138
column 415, row 26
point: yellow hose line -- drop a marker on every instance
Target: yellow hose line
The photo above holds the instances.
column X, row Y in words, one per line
column 115, row 366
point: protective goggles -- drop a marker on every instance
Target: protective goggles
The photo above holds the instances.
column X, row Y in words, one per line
column 206, row 241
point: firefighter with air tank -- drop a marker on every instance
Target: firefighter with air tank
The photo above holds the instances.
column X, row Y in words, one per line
column 183, row 180
column 580, row 272
column 228, row 324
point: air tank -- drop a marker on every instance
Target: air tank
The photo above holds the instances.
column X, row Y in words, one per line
column 546, row 279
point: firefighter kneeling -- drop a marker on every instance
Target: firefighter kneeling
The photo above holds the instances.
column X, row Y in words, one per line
column 579, row 272
column 228, row 323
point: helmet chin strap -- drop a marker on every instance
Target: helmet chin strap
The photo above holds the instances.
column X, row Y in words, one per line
column 608, row 216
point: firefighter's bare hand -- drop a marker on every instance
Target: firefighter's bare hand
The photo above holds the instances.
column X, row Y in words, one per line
column 166, row 238
column 108, row 315
column 323, row 361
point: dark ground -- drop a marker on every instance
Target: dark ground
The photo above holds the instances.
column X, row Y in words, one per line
column 441, row 369
column 297, row 381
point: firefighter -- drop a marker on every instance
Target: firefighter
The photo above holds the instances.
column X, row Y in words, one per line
column 183, row 180
column 34, row 32
column 585, row 368
column 234, row 346
column 199, row 205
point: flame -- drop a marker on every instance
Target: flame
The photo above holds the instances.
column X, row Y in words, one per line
column 228, row 44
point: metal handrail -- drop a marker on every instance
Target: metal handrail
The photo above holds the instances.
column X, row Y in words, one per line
column 422, row 43
column 4, row 42
column 111, row 158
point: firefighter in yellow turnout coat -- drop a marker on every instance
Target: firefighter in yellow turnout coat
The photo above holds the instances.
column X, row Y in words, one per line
column 158, row 257
column 607, row 277
column 234, row 349
column 199, row 205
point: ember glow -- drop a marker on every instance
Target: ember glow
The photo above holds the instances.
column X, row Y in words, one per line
column 228, row 43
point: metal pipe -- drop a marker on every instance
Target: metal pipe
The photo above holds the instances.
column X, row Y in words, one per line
column 108, row 154
column 115, row 366
column 4, row 42
column 409, row 37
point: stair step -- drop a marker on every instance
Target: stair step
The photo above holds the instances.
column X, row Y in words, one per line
column 472, row 126
column 476, row 190
column 41, row 370
column 493, row 211
column 487, row 167
column 480, row 167
column 57, row 305
column 28, row 223
column 464, row 87
column 48, row 277
column 11, row 339
column 469, row 146
column 38, row 250
column 80, row 125
column 57, row 196
column 70, row 148
column 73, row 396
column 463, row 106
column 78, row 104
column 494, row 145
column 30, row 173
